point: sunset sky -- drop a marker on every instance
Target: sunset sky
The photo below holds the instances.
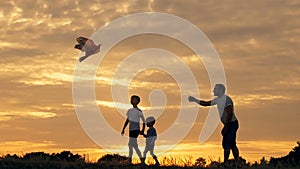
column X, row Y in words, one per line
column 257, row 42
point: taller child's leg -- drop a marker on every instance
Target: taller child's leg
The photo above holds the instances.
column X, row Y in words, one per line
column 137, row 150
column 133, row 144
column 130, row 151
column 130, row 145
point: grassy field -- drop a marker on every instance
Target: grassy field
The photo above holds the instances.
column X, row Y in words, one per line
column 68, row 160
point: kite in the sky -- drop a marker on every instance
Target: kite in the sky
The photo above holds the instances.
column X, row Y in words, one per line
column 88, row 46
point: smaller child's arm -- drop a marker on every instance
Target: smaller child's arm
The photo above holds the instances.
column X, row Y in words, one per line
column 144, row 121
column 125, row 125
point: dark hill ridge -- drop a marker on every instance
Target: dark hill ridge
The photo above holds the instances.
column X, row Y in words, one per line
column 68, row 160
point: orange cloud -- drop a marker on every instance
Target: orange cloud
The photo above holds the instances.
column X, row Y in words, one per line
column 4, row 116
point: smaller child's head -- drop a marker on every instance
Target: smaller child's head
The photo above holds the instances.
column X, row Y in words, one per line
column 135, row 100
column 150, row 121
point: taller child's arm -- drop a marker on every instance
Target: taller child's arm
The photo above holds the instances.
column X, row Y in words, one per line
column 125, row 125
column 143, row 128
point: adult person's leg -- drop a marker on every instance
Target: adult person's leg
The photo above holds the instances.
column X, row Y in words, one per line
column 234, row 148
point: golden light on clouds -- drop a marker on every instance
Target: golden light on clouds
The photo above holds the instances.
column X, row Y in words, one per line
column 123, row 8
column 251, row 99
column 4, row 44
column 25, row 146
column 4, row 116
column 127, row 106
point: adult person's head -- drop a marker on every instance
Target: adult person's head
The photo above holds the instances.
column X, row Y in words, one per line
column 219, row 90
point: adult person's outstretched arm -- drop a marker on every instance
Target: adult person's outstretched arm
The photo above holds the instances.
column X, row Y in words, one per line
column 200, row 102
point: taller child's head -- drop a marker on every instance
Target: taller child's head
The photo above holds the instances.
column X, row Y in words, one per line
column 135, row 100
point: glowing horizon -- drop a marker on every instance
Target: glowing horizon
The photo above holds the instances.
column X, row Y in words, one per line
column 209, row 151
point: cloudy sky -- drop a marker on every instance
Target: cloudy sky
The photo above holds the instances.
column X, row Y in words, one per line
column 258, row 44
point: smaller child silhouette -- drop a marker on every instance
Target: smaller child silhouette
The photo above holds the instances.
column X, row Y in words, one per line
column 150, row 138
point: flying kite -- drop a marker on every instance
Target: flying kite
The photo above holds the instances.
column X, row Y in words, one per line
column 88, row 46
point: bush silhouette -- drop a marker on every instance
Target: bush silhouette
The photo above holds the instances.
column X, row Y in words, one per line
column 200, row 162
column 292, row 159
column 112, row 159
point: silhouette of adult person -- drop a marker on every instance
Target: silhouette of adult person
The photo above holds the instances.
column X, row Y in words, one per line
column 228, row 118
